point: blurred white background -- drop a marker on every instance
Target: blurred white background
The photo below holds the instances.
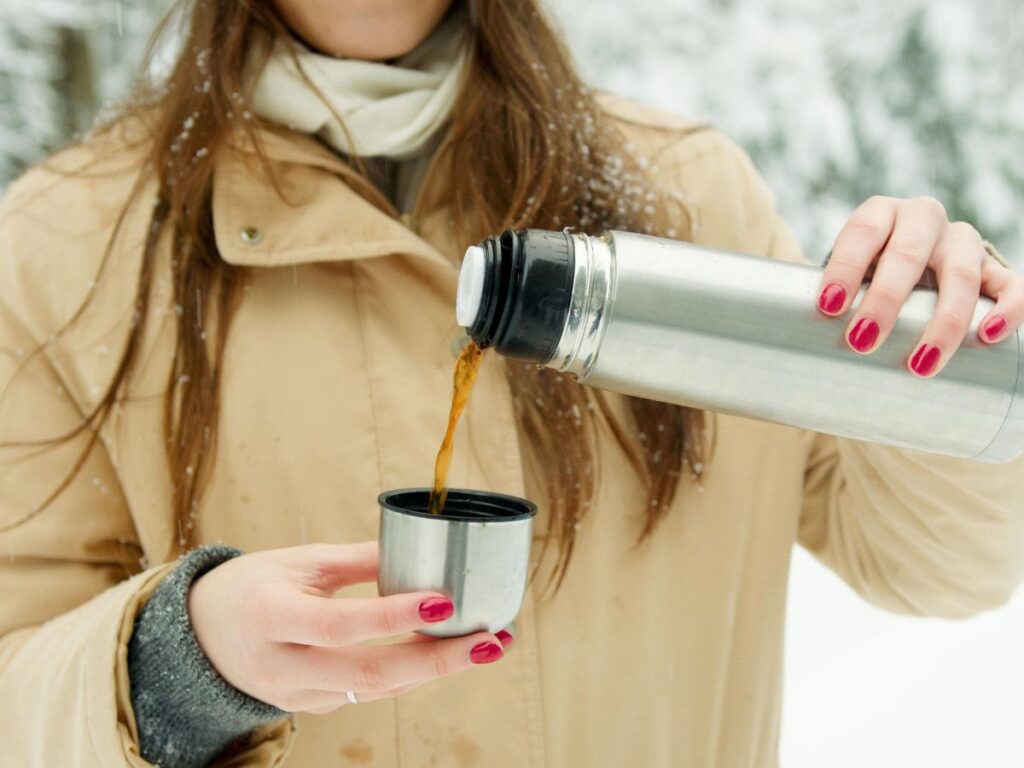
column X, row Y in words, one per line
column 866, row 688
column 835, row 101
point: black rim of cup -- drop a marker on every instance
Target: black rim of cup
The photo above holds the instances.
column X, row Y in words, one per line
column 462, row 505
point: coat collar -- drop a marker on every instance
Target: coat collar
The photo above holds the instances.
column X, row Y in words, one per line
column 329, row 212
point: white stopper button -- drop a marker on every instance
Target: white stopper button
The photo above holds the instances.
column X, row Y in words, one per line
column 471, row 286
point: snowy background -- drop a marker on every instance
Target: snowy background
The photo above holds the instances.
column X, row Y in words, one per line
column 835, row 101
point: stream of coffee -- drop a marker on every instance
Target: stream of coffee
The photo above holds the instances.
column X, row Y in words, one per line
column 466, row 368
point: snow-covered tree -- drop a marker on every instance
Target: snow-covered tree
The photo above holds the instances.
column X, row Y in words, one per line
column 835, row 101
column 60, row 61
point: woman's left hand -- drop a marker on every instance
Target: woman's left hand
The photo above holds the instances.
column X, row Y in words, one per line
column 906, row 237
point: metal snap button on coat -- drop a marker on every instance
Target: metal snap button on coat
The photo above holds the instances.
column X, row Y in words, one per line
column 251, row 235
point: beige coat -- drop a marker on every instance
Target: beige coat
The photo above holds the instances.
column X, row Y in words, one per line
column 336, row 386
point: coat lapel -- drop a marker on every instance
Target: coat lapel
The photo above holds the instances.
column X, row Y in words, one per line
column 316, row 209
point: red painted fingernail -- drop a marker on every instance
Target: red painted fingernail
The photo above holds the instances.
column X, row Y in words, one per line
column 485, row 653
column 924, row 360
column 864, row 334
column 993, row 327
column 505, row 637
column 832, row 298
column 436, row 609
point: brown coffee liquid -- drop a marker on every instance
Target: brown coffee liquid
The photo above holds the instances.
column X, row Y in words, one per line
column 466, row 368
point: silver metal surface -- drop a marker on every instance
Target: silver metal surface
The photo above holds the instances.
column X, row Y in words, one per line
column 481, row 564
column 1007, row 443
column 251, row 236
column 593, row 278
column 739, row 334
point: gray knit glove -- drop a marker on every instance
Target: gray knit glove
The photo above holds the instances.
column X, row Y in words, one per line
column 187, row 713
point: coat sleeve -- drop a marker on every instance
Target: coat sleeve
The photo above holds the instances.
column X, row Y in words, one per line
column 71, row 575
column 911, row 532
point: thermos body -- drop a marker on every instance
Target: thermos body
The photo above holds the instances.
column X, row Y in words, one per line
column 737, row 334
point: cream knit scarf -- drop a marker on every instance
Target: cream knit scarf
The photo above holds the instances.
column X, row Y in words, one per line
column 387, row 110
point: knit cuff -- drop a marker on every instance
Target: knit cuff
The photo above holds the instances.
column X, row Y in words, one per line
column 187, row 714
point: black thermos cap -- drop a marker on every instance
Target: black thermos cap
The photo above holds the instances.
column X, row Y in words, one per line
column 527, row 292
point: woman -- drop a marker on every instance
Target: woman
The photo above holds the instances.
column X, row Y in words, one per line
column 227, row 325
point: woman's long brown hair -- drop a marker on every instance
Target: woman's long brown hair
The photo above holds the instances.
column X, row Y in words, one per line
column 523, row 117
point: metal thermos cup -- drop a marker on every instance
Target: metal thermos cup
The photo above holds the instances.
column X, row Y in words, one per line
column 738, row 334
column 477, row 551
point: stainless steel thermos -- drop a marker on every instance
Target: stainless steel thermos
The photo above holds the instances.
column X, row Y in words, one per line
column 738, row 334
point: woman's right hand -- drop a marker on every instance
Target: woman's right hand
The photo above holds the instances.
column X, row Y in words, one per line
column 268, row 623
